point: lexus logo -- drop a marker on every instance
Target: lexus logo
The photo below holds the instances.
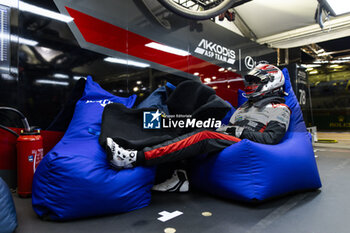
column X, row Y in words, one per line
column 249, row 62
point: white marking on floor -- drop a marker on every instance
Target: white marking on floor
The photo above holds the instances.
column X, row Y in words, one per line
column 167, row 216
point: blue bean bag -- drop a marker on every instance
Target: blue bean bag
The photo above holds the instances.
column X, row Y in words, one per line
column 157, row 99
column 8, row 219
column 241, row 97
column 249, row 171
column 226, row 119
column 74, row 180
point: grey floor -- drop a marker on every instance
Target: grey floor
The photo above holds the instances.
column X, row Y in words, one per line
column 324, row 211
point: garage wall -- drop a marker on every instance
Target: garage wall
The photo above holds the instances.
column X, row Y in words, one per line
column 45, row 70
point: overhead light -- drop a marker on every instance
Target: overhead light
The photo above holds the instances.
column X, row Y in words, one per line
column 135, row 89
column 339, row 61
column 336, row 66
column 16, row 39
column 320, row 62
column 126, row 62
column 167, row 49
column 221, row 69
column 9, row 3
column 78, row 77
column 230, row 69
column 336, row 7
column 323, row 54
column 310, row 68
column 13, row 70
column 7, row 77
column 64, row 76
column 27, row 42
column 23, row 6
column 213, row 77
column 138, row 82
column 196, row 73
column 45, row 81
column 207, row 80
column 227, row 81
column 310, row 65
column 313, row 72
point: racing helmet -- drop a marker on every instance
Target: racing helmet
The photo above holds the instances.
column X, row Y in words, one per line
column 262, row 80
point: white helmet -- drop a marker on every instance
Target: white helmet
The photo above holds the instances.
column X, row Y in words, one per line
column 263, row 79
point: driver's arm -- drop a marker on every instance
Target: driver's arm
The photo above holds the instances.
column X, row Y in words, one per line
column 275, row 128
column 273, row 133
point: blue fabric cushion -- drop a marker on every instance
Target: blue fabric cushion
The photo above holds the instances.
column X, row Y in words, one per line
column 74, row 180
column 226, row 119
column 241, row 98
column 249, row 171
column 8, row 219
column 157, row 99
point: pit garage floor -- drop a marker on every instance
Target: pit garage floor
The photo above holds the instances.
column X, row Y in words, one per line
column 324, row 211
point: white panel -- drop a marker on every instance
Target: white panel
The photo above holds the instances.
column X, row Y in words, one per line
column 269, row 17
column 336, row 28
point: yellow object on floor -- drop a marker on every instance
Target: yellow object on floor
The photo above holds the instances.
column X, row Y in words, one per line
column 327, row 141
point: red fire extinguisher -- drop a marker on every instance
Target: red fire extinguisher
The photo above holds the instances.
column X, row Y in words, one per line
column 29, row 153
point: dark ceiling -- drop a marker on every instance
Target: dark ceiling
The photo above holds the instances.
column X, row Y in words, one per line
column 336, row 45
column 334, row 50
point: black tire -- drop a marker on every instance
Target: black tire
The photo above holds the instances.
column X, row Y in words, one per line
column 197, row 15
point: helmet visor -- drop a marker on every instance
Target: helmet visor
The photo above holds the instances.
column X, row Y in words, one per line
column 250, row 89
column 252, row 79
column 252, row 84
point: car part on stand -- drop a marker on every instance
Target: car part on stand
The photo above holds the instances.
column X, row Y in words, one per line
column 200, row 9
column 161, row 20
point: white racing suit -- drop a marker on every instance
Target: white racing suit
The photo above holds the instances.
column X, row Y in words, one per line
column 265, row 121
